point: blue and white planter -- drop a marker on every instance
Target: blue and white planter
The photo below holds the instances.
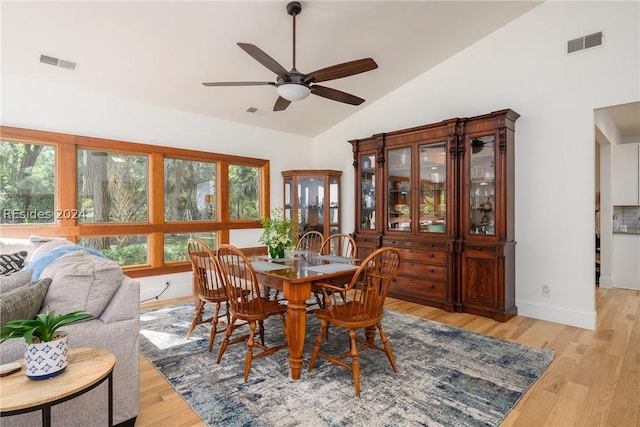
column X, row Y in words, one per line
column 46, row 359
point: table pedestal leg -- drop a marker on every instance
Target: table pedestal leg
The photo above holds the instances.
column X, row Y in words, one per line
column 297, row 296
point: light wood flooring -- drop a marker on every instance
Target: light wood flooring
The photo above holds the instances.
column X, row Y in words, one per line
column 594, row 379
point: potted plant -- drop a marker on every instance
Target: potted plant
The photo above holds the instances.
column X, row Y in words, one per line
column 277, row 234
column 46, row 349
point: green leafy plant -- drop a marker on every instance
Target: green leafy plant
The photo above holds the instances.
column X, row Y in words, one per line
column 42, row 328
column 278, row 232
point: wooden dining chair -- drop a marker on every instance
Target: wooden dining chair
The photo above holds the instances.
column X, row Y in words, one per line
column 364, row 310
column 209, row 286
column 246, row 303
column 340, row 244
column 311, row 241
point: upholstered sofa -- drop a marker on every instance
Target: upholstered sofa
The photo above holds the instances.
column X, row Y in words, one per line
column 80, row 280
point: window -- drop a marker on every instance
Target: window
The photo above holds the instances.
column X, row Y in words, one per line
column 138, row 204
column 26, row 188
column 243, row 193
column 112, row 187
column 175, row 244
column 189, row 190
column 125, row 250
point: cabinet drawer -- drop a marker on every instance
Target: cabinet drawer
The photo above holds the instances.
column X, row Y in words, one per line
column 368, row 239
column 419, row 288
column 425, row 256
column 399, row 243
column 423, row 271
column 472, row 247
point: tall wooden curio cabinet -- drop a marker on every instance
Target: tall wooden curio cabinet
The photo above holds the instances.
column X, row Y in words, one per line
column 312, row 200
column 443, row 195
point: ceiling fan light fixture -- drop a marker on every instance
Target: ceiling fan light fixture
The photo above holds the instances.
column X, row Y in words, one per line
column 293, row 91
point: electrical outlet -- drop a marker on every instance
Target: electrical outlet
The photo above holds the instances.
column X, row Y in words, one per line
column 167, row 283
column 546, row 291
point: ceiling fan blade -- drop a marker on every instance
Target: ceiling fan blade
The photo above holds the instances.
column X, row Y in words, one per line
column 339, row 71
column 259, row 55
column 336, row 95
column 281, row 104
column 238, row 83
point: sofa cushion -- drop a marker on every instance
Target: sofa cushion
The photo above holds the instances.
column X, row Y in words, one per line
column 10, row 263
column 23, row 302
column 81, row 281
column 14, row 280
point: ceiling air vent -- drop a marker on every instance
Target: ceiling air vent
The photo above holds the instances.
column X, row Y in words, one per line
column 584, row 42
column 45, row 59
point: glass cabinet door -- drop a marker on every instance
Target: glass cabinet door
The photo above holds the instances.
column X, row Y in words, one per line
column 334, row 205
column 312, row 200
column 399, row 188
column 288, row 198
column 310, row 204
column 433, row 193
column 482, row 185
column 368, row 192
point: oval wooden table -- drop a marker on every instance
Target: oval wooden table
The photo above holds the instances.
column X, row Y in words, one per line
column 87, row 369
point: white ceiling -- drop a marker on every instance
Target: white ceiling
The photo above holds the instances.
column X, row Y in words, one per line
column 160, row 52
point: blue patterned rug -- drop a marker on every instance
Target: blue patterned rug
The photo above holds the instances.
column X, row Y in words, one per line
column 447, row 376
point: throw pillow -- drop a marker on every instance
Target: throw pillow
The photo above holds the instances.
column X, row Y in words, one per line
column 81, row 281
column 23, row 302
column 10, row 263
column 14, row 280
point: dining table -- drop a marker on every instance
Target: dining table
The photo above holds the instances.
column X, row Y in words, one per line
column 297, row 276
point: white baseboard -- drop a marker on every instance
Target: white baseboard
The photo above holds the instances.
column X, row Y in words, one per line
column 563, row 315
column 606, row 282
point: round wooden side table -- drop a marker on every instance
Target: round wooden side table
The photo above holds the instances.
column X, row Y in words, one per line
column 87, row 369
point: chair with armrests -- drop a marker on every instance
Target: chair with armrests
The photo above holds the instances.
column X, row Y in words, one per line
column 209, row 287
column 311, row 241
column 364, row 310
column 340, row 245
column 246, row 303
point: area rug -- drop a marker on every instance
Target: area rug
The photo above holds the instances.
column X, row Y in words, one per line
column 446, row 376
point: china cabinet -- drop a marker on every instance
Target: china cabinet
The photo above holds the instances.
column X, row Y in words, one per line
column 312, row 200
column 443, row 195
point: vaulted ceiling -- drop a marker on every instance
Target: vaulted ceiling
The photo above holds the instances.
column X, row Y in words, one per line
column 160, row 52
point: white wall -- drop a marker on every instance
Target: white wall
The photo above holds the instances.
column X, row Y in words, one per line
column 523, row 66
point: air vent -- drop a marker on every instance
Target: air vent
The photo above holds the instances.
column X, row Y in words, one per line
column 585, row 42
column 45, row 59
column 251, row 109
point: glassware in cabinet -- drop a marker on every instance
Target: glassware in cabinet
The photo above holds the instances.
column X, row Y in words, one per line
column 433, row 188
column 481, row 175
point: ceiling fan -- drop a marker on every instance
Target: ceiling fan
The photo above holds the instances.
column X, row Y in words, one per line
column 293, row 85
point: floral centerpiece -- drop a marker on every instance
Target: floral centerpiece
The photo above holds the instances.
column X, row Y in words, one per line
column 278, row 233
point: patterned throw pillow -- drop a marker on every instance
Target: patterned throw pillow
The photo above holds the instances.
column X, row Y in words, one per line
column 10, row 263
column 23, row 302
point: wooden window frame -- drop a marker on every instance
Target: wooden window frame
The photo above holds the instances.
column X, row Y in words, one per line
column 67, row 145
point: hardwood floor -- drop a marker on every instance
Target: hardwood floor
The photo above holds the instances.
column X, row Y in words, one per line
column 594, row 379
